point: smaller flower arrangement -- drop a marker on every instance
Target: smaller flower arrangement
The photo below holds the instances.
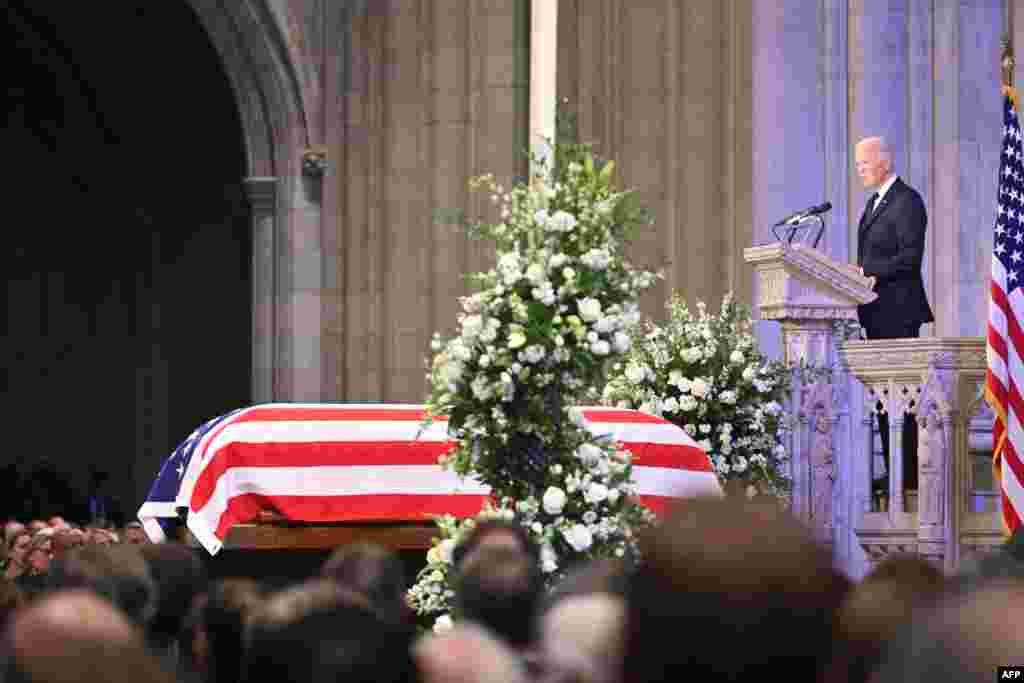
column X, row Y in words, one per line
column 705, row 373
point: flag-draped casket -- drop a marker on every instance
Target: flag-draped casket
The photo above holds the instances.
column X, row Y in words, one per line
column 351, row 462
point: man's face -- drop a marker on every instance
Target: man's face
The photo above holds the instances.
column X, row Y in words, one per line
column 135, row 537
column 871, row 168
column 39, row 558
column 57, row 522
column 21, row 547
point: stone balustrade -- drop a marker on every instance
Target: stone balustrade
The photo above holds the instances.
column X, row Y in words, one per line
column 836, row 453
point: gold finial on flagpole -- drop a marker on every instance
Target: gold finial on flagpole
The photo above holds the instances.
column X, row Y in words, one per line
column 1008, row 62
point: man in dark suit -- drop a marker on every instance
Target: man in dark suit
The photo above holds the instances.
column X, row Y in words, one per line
column 890, row 246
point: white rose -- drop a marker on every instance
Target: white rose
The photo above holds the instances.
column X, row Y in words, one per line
column 472, row 304
column 562, row 221
column 621, row 342
column 453, row 371
column 589, row 454
column 472, row 325
column 557, row 261
column 516, row 338
column 579, row 537
column 576, row 417
column 749, row 373
column 635, row 373
column 535, row 273
column 737, row 357
column 613, row 496
column 670, row 405
column 569, row 274
column 600, row 348
column 605, row 325
column 443, row 624
column 596, row 493
column 433, row 555
column 590, row 309
column 554, row 500
column 728, row 397
column 445, row 549
column 541, row 217
column 699, row 388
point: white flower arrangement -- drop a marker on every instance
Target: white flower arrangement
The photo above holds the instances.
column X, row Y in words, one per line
column 537, row 339
column 705, row 373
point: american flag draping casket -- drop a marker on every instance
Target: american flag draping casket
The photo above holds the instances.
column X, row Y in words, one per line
column 351, row 462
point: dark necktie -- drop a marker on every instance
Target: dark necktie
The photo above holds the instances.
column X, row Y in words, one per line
column 871, row 207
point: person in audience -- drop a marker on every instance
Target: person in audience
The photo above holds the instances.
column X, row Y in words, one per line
column 218, row 629
column 11, row 529
column 320, row 632
column 134, row 534
column 40, row 552
column 37, row 525
column 965, row 638
column 179, row 576
column 495, row 533
column 57, row 522
column 467, row 653
column 879, row 606
column 374, row 571
column 17, row 554
column 582, row 628
column 741, row 590
column 118, row 573
column 71, row 637
column 501, row 588
column 65, row 541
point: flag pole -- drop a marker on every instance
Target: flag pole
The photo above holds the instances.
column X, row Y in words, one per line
column 1008, row 63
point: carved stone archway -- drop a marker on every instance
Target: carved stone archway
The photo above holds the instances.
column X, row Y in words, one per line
column 256, row 46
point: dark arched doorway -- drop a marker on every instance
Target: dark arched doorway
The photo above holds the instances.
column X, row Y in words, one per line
column 128, row 247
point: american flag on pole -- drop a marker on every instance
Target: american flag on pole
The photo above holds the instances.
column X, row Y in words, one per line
column 1005, row 377
column 348, row 462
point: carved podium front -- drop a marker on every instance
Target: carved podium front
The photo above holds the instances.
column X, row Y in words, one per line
column 807, row 292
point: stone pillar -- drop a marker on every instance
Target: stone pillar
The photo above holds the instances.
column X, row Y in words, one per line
column 263, row 200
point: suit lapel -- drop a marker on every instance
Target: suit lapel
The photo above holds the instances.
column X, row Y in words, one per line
column 881, row 206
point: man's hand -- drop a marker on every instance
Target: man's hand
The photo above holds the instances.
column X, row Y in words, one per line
column 872, row 281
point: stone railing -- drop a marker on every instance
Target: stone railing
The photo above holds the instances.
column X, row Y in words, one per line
column 835, row 448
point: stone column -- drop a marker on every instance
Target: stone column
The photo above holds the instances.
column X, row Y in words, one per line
column 263, row 200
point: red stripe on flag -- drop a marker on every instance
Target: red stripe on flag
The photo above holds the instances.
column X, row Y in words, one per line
column 340, row 413
column 626, row 416
column 1010, row 457
column 365, row 508
column 669, row 455
column 1010, row 517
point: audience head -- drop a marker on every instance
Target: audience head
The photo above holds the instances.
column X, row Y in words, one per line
column 40, row 551
column 501, row 589
column 65, row 541
column 134, row 534
column 17, row 552
column 218, row 629
column 319, row 632
column 964, row 639
column 743, row 589
column 582, row 629
column 178, row 576
column 37, row 525
column 57, row 522
column 467, row 654
column 495, row 533
column 879, row 606
column 118, row 573
column 11, row 529
column 374, row 571
column 75, row 636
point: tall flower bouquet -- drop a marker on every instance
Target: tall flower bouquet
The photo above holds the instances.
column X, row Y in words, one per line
column 535, row 340
column 705, row 373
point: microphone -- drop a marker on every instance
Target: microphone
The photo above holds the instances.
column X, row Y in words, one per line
column 806, row 213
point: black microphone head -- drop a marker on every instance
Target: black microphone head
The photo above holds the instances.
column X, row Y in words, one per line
column 827, row 206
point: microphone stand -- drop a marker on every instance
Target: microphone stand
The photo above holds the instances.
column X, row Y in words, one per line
column 799, row 225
